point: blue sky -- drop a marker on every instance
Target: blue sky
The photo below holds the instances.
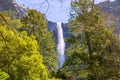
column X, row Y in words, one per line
column 56, row 12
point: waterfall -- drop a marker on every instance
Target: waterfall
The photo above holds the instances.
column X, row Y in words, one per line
column 60, row 45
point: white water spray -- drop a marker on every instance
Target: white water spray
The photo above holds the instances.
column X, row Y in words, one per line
column 60, row 45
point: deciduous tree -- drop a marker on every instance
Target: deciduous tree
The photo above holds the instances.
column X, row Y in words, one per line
column 34, row 23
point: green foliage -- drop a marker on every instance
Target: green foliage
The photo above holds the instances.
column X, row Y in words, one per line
column 3, row 75
column 16, row 24
column 20, row 51
column 35, row 23
column 94, row 53
column 19, row 56
column 4, row 18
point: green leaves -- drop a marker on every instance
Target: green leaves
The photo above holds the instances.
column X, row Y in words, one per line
column 94, row 49
column 35, row 24
column 21, row 46
column 19, row 56
column 3, row 75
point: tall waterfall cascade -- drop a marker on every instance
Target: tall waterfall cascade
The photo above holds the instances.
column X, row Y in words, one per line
column 60, row 45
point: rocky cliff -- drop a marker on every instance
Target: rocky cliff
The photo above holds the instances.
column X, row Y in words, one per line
column 112, row 13
column 6, row 5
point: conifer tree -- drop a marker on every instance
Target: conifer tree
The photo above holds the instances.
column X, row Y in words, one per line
column 94, row 53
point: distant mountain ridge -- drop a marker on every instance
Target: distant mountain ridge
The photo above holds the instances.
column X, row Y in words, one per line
column 6, row 5
column 110, row 9
column 112, row 12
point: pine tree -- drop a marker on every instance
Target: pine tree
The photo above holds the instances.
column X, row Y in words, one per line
column 94, row 53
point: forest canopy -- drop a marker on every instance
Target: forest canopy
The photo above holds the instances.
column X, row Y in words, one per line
column 28, row 49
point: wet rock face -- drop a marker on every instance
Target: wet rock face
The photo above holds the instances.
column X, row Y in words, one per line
column 6, row 5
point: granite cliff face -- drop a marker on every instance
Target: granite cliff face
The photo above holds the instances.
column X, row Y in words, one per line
column 6, row 5
column 112, row 13
column 110, row 9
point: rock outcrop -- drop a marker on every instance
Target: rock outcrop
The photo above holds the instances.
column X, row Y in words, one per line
column 112, row 13
column 6, row 5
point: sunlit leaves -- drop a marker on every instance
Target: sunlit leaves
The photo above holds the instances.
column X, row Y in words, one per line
column 19, row 56
column 3, row 75
column 34, row 23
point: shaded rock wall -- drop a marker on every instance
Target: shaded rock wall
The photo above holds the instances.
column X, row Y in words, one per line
column 6, row 5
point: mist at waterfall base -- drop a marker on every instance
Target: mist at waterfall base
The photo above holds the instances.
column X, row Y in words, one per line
column 60, row 45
